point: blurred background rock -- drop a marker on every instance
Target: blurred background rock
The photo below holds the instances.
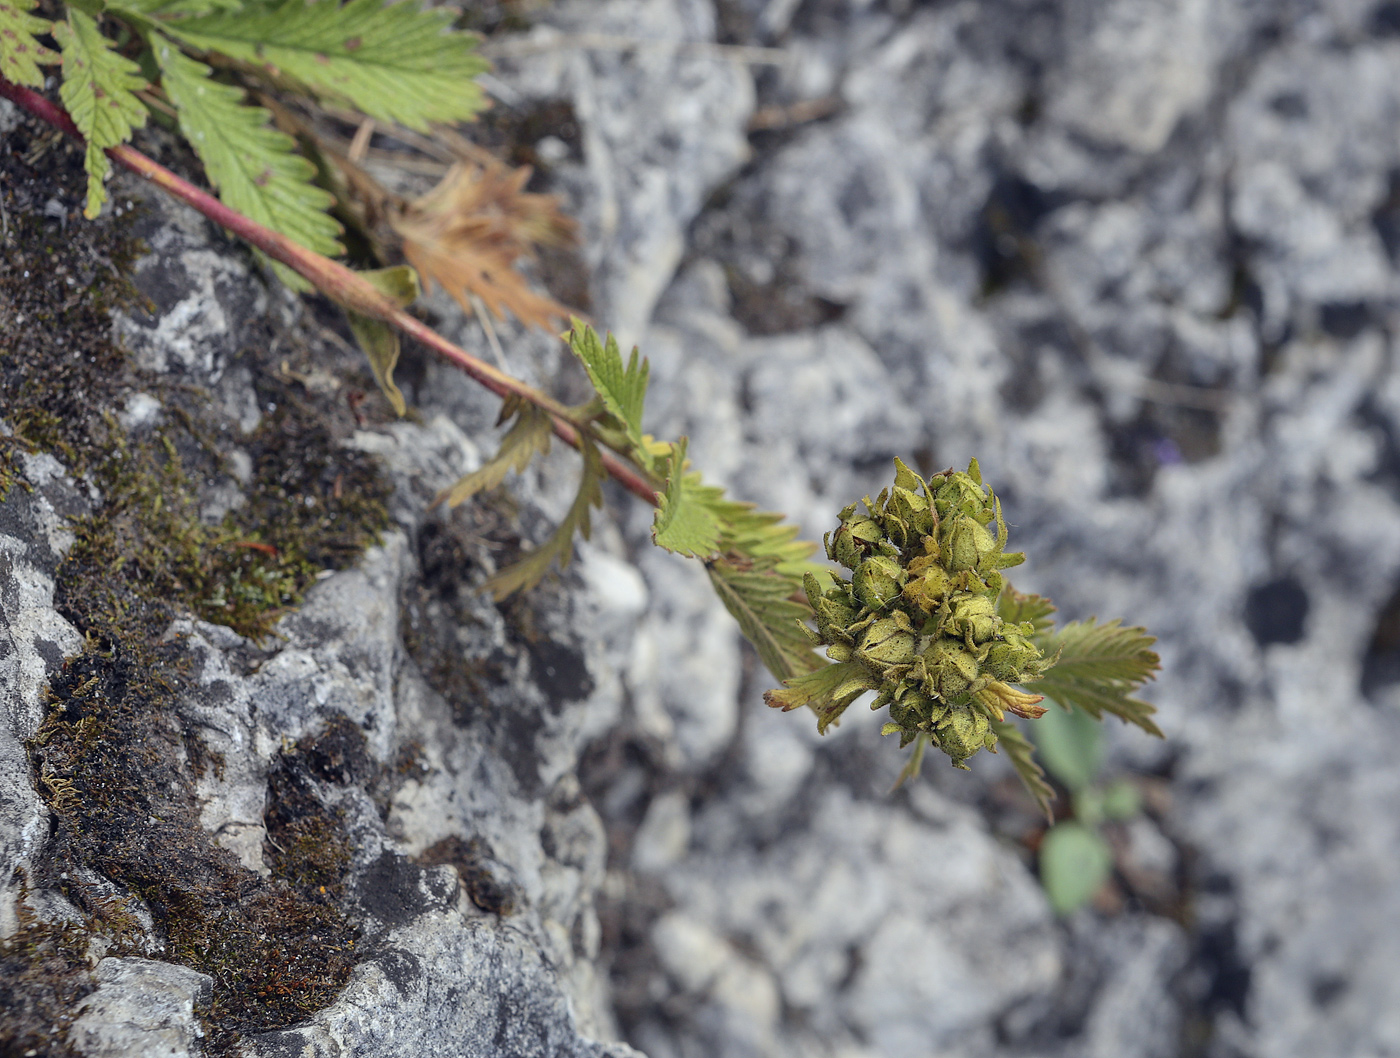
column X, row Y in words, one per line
column 1139, row 257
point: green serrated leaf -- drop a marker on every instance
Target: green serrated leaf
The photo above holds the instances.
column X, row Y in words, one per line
column 1089, row 650
column 760, row 579
column 827, row 689
column 253, row 166
column 1098, row 669
column 1074, row 863
column 531, row 569
column 761, row 537
column 1021, row 753
column 98, row 87
column 764, row 538
column 393, row 62
column 378, row 339
column 1071, row 743
column 684, row 522
column 1015, row 608
column 20, row 54
column 623, row 389
column 527, row 437
column 172, row 8
column 763, row 604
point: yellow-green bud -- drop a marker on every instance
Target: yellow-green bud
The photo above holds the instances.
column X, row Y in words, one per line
column 840, row 651
column 1011, row 661
column 965, row 542
column 951, row 668
column 963, row 732
column 856, row 537
column 834, row 616
column 878, row 581
column 928, row 590
column 888, row 642
column 841, row 547
column 908, row 518
column 975, row 616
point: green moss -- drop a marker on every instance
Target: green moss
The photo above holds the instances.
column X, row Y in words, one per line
column 110, row 761
column 310, row 506
column 10, row 475
column 113, row 759
column 44, row 973
column 145, row 554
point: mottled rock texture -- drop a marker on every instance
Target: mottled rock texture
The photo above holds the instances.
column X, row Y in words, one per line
column 352, row 827
column 1138, row 256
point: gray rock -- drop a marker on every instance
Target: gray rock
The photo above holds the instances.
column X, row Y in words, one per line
column 1140, row 260
column 486, row 948
column 661, row 127
column 446, row 980
column 36, row 640
column 1133, row 70
column 141, row 1007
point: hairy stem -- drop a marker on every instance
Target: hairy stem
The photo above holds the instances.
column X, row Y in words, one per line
column 338, row 283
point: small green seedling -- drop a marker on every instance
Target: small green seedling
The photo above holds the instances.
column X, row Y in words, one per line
column 1075, row 860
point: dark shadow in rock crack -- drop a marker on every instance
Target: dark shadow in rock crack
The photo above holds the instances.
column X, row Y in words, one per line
column 1229, row 976
column 560, row 671
column 1003, row 240
column 1385, row 19
column 1380, row 667
column 1386, row 218
column 1344, row 319
column 1277, row 611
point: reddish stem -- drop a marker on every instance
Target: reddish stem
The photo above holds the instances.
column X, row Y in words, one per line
column 336, row 282
column 253, row 545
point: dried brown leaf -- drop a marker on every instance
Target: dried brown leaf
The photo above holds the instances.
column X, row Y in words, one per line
column 470, row 231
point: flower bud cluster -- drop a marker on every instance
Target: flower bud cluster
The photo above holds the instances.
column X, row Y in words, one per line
column 919, row 612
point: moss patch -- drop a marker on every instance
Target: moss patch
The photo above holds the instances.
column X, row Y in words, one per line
column 146, row 554
column 468, row 857
column 309, row 506
column 111, row 761
column 306, row 842
column 43, row 975
column 113, row 758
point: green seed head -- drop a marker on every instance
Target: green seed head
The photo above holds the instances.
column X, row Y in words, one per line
column 918, row 615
